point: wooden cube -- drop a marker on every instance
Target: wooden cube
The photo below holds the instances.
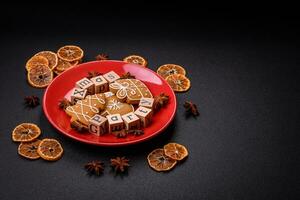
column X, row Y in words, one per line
column 145, row 114
column 101, row 85
column 111, row 76
column 104, row 114
column 77, row 94
column 146, row 102
column 115, row 123
column 131, row 121
column 87, row 84
column 98, row 125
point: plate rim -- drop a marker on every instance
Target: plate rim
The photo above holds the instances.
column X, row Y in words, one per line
column 105, row 144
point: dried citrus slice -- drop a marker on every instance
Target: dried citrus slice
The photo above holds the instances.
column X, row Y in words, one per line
column 50, row 149
column 57, row 72
column 175, row 151
column 29, row 149
column 25, row 132
column 39, row 76
column 51, row 57
column 70, row 53
column 179, row 82
column 169, row 69
column 135, row 59
column 36, row 60
column 159, row 161
column 64, row 65
column 76, row 62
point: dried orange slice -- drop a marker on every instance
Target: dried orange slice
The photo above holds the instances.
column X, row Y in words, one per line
column 25, row 132
column 40, row 76
column 135, row 59
column 159, row 161
column 50, row 149
column 51, row 57
column 178, row 82
column 76, row 62
column 70, row 53
column 29, row 149
column 57, row 72
column 170, row 69
column 36, row 60
column 175, row 151
column 79, row 61
column 64, row 65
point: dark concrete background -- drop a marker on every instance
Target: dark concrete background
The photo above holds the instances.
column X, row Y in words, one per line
column 244, row 71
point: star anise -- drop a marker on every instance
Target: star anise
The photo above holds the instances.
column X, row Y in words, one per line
column 160, row 101
column 79, row 127
column 102, row 56
column 120, row 134
column 119, row 164
column 64, row 103
column 127, row 75
column 31, row 101
column 93, row 74
column 136, row 132
column 94, row 167
column 191, row 108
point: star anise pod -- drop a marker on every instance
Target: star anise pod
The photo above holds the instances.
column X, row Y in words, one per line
column 93, row 74
column 160, row 101
column 94, row 167
column 102, row 56
column 64, row 103
column 79, row 127
column 119, row 164
column 191, row 108
column 136, row 132
column 127, row 75
column 31, row 101
column 120, row 134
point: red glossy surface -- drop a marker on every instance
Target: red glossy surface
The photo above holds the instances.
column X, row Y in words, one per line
column 63, row 83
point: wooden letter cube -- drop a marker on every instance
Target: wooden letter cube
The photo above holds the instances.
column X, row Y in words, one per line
column 146, row 102
column 104, row 114
column 87, row 84
column 111, row 76
column 98, row 125
column 131, row 121
column 77, row 94
column 145, row 114
column 115, row 123
column 101, row 85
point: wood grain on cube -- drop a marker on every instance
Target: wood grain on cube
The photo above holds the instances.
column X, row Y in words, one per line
column 145, row 114
column 98, row 125
column 87, row 84
column 131, row 121
column 100, row 83
column 146, row 102
column 111, row 76
column 115, row 123
column 78, row 94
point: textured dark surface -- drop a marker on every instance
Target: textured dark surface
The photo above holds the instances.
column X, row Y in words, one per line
column 244, row 76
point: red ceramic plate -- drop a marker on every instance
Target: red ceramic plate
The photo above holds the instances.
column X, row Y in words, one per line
column 62, row 84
